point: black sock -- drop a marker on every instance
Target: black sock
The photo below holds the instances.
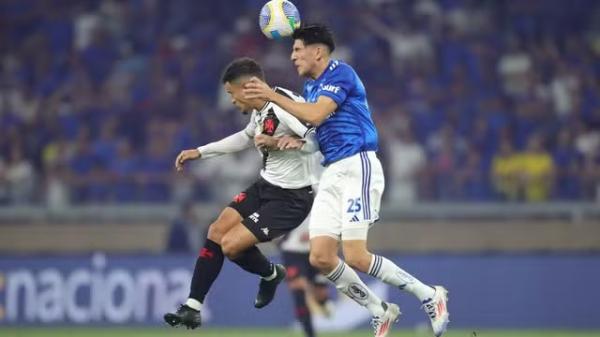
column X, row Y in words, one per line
column 302, row 313
column 253, row 261
column 208, row 267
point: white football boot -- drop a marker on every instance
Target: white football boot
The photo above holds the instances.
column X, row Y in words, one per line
column 437, row 310
column 382, row 325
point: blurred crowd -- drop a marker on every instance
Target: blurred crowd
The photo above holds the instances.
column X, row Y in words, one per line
column 475, row 100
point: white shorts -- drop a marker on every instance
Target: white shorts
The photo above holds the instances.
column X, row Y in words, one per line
column 349, row 198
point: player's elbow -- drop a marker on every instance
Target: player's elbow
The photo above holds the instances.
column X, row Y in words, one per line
column 321, row 110
column 315, row 121
column 317, row 118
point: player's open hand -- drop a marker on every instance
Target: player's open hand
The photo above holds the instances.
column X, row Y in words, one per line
column 265, row 142
column 255, row 88
column 289, row 143
column 184, row 156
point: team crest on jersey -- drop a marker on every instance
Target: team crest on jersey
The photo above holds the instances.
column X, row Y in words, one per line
column 270, row 123
column 239, row 197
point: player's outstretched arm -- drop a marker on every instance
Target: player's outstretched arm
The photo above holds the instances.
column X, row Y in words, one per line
column 233, row 143
column 184, row 156
column 313, row 113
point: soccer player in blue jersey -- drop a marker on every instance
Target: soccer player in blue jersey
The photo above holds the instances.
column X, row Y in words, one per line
column 352, row 183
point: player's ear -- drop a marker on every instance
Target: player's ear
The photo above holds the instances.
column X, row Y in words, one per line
column 319, row 52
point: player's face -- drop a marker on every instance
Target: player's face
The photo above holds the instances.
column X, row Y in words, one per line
column 303, row 57
column 235, row 91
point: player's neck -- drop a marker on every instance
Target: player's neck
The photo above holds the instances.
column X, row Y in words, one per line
column 259, row 104
column 319, row 68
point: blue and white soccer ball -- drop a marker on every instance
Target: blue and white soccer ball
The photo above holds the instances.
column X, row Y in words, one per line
column 278, row 19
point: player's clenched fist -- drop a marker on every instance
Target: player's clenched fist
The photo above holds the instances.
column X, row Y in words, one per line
column 184, row 156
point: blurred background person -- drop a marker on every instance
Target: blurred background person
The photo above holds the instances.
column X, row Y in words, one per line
column 536, row 171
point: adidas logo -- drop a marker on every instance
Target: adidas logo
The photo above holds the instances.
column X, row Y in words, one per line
column 265, row 230
column 354, row 219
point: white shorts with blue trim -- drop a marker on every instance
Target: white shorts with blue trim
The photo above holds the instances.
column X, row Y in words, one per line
column 349, row 198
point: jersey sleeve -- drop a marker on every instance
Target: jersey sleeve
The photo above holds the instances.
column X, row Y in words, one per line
column 339, row 84
column 310, row 141
column 236, row 142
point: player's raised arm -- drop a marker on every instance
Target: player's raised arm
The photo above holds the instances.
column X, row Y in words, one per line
column 313, row 113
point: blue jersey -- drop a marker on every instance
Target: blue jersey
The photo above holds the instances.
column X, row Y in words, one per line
column 350, row 128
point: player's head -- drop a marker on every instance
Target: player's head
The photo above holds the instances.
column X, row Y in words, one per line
column 313, row 45
column 236, row 74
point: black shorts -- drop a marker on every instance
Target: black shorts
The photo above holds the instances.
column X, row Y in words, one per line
column 297, row 265
column 270, row 211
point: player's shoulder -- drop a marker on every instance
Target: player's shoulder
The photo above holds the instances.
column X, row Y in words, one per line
column 340, row 69
column 289, row 94
column 336, row 66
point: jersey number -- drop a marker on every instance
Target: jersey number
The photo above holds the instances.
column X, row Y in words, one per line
column 354, row 205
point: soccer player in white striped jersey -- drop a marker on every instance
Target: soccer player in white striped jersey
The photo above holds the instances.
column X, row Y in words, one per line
column 279, row 201
column 352, row 184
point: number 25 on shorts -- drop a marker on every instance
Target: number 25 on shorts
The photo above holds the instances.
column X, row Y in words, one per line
column 354, row 205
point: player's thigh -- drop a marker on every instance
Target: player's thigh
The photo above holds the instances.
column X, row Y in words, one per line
column 237, row 240
column 362, row 196
column 243, row 204
column 228, row 218
column 326, row 214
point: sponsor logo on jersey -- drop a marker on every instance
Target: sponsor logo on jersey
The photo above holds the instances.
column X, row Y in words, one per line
column 331, row 88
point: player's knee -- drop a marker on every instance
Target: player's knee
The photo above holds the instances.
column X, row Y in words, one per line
column 323, row 262
column 229, row 247
column 358, row 260
column 216, row 232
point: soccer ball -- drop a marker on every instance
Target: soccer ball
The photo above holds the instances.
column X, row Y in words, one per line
column 278, row 18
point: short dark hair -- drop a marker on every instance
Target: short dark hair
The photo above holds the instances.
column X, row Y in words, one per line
column 241, row 67
column 315, row 33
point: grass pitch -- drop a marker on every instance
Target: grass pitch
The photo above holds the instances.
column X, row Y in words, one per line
column 211, row 332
